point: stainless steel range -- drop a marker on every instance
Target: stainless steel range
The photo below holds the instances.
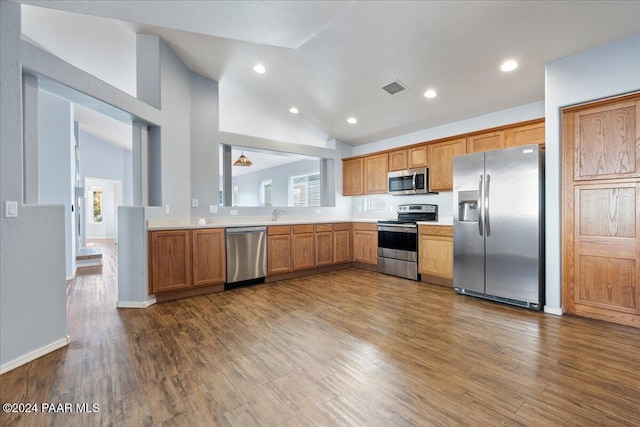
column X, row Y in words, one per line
column 398, row 240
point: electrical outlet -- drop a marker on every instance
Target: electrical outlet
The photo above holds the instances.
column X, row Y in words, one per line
column 318, row 211
column 213, row 209
column 166, row 209
column 233, row 212
column 194, row 203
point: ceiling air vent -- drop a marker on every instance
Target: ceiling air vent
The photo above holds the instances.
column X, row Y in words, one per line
column 394, row 88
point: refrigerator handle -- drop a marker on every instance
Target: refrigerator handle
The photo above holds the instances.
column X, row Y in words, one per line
column 487, row 225
column 480, row 198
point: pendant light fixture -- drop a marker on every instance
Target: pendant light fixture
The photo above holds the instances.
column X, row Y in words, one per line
column 242, row 161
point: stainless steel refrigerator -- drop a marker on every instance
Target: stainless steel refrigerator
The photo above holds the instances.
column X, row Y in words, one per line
column 498, row 225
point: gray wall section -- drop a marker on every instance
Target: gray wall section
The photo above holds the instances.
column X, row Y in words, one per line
column 132, row 256
column 598, row 73
column 205, row 150
column 148, row 69
column 56, row 164
column 32, row 316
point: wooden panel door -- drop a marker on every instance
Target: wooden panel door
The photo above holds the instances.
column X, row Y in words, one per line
column 606, row 142
column 324, row 245
column 279, row 251
column 365, row 243
column 440, row 157
column 601, row 215
column 486, row 142
column 398, row 160
column 375, row 174
column 353, row 177
column 435, row 251
column 417, row 157
column 209, row 256
column 303, row 247
column 170, row 260
column 527, row 134
column 342, row 243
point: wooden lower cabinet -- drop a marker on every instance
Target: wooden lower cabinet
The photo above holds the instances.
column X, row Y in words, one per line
column 365, row 243
column 183, row 259
column 303, row 247
column 209, row 256
column 435, row 251
column 279, row 250
column 324, row 245
column 343, row 247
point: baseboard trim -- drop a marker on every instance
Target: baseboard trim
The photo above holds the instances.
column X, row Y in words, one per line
column 136, row 304
column 33, row 355
column 553, row 310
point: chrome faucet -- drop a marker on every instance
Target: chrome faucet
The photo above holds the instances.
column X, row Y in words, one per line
column 276, row 212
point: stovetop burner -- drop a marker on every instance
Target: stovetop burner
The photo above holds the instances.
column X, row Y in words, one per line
column 410, row 214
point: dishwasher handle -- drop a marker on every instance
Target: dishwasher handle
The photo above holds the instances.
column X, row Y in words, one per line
column 242, row 230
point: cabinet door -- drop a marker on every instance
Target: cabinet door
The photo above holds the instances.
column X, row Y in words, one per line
column 440, row 156
column 279, row 254
column 303, row 250
column 365, row 243
column 417, row 157
column 170, row 260
column 324, row 248
column 525, row 135
column 353, row 177
column 398, row 160
column 342, row 246
column 375, row 174
column 486, row 142
column 435, row 256
column 209, row 256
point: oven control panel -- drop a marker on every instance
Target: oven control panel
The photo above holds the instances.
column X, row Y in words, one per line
column 417, row 208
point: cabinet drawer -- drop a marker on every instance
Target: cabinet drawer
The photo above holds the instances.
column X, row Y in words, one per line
column 303, row 228
column 342, row 226
column 324, row 227
column 436, row 230
column 365, row 226
column 274, row 230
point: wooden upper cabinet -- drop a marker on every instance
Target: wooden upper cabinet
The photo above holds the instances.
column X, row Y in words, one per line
column 209, row 256
column 417, row 157
column 440, row 156
column 170, row 260
column 353, row 177
column 375, row 173
column 607, row 141
column 398, row 160
column 525, row 135
column 486, row 142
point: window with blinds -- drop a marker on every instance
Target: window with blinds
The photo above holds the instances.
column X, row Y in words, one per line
column 304, row 190
column 265, row 193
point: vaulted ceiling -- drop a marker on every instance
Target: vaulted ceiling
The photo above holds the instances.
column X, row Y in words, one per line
column 330, row 59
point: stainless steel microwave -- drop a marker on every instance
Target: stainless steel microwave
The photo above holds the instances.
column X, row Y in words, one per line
column 410, row 181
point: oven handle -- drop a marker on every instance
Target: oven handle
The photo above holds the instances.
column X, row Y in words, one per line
column 399, row 228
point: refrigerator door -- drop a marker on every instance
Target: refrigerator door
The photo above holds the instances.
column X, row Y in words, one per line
column 512, row 223
column 468, row 231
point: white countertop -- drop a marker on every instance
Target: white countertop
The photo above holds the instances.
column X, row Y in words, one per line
column 224, row 222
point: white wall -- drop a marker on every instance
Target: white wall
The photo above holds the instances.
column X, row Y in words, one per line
column 32, row 300
column 56, row 165
column 602, row 72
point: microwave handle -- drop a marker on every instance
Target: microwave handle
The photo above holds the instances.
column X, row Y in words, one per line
column 413, row 182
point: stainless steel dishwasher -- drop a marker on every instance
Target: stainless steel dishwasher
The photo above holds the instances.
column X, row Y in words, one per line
column 246, row 254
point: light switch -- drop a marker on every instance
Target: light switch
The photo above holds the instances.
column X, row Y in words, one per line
column 194, row 203
column 166, row 209
column 10, row 209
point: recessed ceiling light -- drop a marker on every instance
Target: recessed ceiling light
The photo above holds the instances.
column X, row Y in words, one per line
column 430, row 93
column 509, row 65
column 293, row 110
column 352, row 120
column 259, row 68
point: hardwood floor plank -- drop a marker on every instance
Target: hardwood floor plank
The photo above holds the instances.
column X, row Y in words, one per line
column 350, row 347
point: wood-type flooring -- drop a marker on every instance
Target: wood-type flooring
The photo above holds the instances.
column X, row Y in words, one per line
column 347, row 348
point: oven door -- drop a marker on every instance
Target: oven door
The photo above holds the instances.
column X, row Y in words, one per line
column 411, row 181
column 398, row 242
